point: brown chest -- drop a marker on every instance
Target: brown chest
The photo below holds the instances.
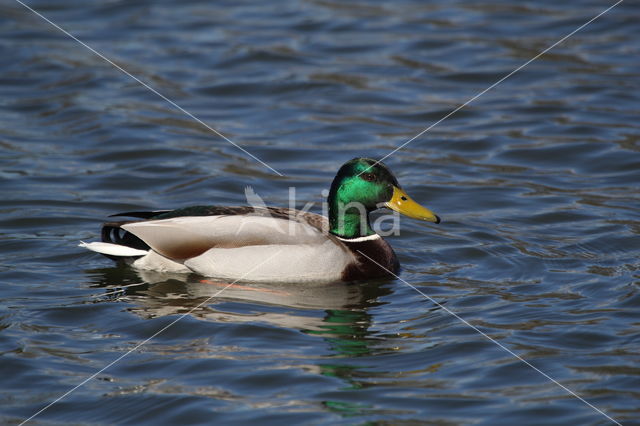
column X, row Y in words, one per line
column 374, row 259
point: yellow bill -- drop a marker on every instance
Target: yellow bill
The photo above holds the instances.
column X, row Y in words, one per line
column 403, row 204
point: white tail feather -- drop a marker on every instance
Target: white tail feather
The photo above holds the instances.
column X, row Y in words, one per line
column 113, row 249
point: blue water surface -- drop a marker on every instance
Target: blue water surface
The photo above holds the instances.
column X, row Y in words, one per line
column 537, row 182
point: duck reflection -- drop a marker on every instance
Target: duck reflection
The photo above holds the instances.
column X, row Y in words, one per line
column 337, row 313
column 343, row 322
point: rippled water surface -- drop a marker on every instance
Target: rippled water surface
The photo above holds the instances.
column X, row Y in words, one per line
column 537, row 183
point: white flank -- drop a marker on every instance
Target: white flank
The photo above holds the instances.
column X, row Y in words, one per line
column 305, row 263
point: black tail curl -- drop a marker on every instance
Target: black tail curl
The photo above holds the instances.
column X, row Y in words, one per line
column 113, row 233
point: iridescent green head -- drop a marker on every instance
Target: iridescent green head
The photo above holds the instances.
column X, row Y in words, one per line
column 361, row 186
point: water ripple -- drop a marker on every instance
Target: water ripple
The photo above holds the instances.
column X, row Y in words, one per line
column 537, row 183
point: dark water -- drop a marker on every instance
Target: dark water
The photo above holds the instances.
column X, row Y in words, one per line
column 537, row 182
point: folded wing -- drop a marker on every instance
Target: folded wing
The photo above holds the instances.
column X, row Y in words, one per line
column 187, row 237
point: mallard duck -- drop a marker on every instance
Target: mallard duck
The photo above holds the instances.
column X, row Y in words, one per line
column 228, row 242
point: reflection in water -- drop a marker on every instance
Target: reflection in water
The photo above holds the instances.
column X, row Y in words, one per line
column 337, row 312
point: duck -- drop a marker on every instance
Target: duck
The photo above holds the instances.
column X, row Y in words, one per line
column 270, row 244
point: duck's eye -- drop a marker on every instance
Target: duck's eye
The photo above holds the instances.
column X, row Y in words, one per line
column 369, row 177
